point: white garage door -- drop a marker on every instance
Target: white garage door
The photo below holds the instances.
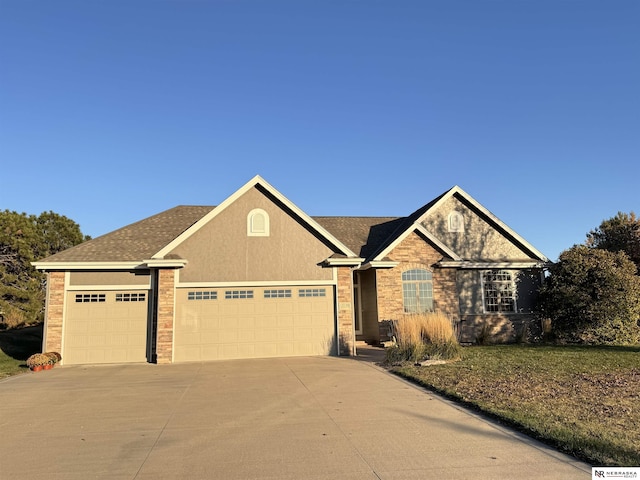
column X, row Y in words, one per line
column 228, row 323
column 105, row 327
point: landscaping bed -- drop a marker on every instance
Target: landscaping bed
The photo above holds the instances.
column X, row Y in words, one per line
column 583, row 400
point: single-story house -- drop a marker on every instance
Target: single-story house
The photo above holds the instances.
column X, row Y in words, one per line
column 256, row 277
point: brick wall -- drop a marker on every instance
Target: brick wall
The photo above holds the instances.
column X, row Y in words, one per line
column 345, row 311
column 415, row 252
column 166, row 315
column 54, row 312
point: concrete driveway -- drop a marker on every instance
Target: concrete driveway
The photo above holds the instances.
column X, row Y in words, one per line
column 293, row 418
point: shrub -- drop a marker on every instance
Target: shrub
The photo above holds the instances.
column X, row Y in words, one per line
column 592, row 296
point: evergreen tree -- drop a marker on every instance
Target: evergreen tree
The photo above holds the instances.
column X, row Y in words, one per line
column 24, row 239
column 618, row 234
column 593, row 296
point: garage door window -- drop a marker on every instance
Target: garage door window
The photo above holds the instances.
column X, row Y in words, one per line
column 90, row 297
column 312, row 292
column 202, row 295
column 230, row 294
column 277, row 293
column 130, row 297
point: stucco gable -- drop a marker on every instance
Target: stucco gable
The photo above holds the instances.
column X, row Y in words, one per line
column 482, row 236
column 259, row 183
column 223, row 250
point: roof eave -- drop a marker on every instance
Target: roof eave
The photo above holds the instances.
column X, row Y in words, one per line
column 57, row 266
column 471, row 265
column 379, row 264
column 343, row 262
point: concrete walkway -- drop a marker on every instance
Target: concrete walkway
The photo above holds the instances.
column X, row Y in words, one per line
column 293, row 418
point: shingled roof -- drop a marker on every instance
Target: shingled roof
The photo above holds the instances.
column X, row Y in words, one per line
column 363, row 235
column 135, row 242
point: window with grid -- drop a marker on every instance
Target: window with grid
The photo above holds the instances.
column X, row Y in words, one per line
column 230, row 294
column 202, row 295
column 90, row 297
column 417, row 291
column 499, row 291
column 312, row 292
column 130, row 297
column 283, row 293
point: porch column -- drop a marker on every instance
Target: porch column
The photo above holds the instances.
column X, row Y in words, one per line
column 166, row 315
column 54, row 313
column 346, row 335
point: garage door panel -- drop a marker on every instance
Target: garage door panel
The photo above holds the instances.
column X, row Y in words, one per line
column 254, row 327
column 105, row 331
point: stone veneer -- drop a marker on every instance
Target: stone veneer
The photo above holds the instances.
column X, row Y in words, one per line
column 166, row 315
column 345, row 311
column 54, row 312
column 415, row 252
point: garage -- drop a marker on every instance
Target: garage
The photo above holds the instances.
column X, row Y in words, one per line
column 250, row 322
column 105, row 327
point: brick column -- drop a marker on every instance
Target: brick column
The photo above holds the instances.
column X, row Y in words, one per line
column 166, row 315
column 345, row 311
column 54, row 311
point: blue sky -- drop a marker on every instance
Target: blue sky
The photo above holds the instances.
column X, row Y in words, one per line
column 112, row 111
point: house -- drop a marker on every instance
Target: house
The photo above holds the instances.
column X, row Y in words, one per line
column 256, row 277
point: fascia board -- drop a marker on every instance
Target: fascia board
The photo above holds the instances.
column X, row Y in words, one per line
column 47, row 266
column 437, row 242
column 257, row 180
column 488, row 214
column 400, row 238
column 380, row 264
column 315, row 225
column 336, row 262
column 466, row 265
column 207, row 218
column 162, row 263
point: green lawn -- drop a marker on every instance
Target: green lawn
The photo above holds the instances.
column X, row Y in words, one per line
column 583, row 400
column 16, row 346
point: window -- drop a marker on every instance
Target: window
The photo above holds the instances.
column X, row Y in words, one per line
column 417, row 291
column 258, row 223
column 277, row 294
column 202, row 295
column 230, row 294
column 312, row 292
column 498, row 291
column 130, row 297
column 90, row 297
column 456, row 222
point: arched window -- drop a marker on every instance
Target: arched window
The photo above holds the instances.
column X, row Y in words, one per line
column 258, row 223
column 417, row 291
column 456, row 222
